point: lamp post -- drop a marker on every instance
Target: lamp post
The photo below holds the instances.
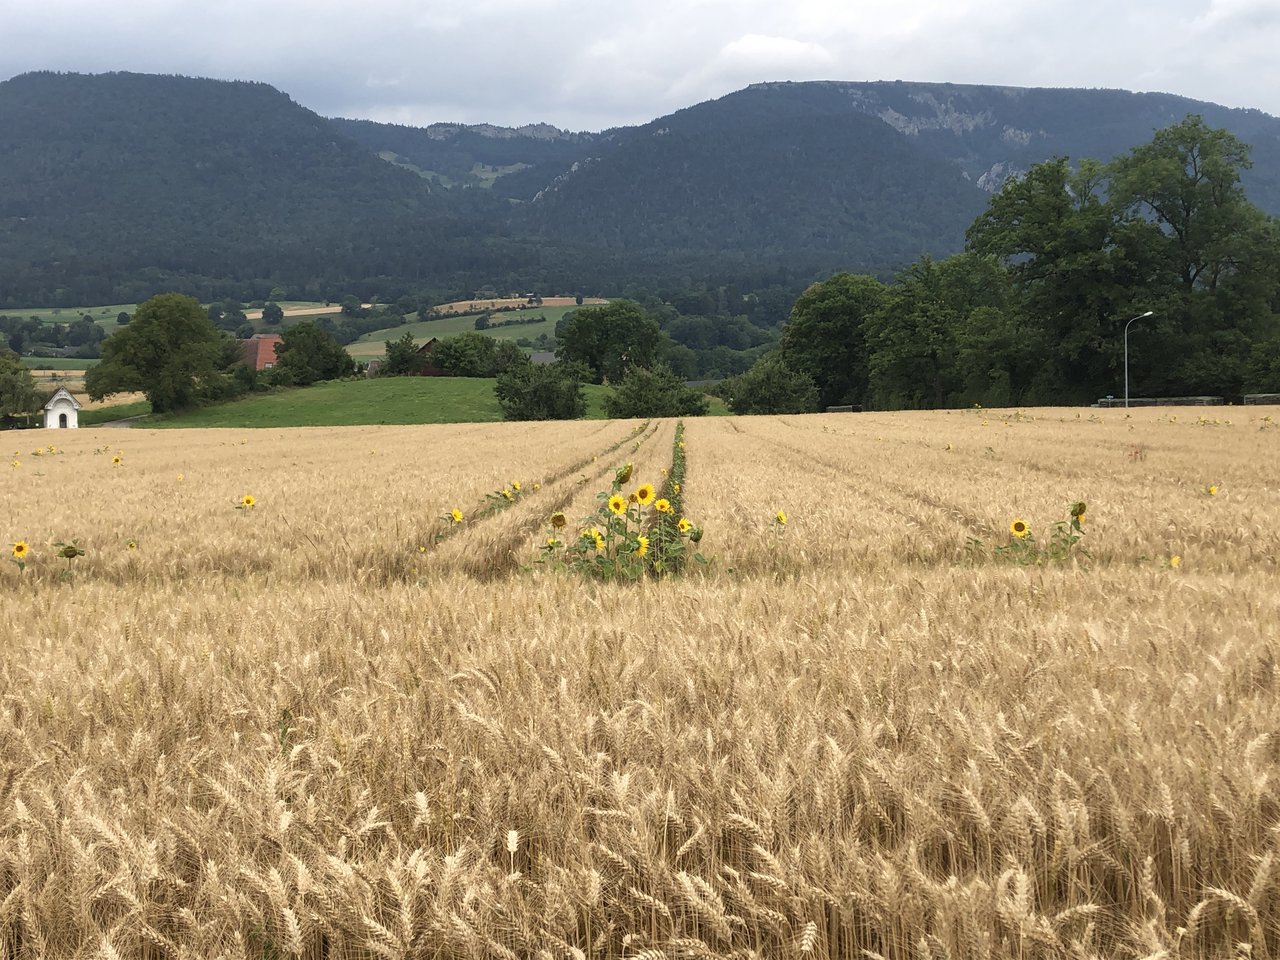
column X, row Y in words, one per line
column 1140, row 316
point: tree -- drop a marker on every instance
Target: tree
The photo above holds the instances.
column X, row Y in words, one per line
column 465, row 355
column 17, row 388
column 1213, row 258
column 608, row 340
column 654, row 393
column 403, row 359
column 825, row 337
column 549, row 391
column 122, row 318
column 227, row 314
column 172, row 352
column 272, row 313
column 307, row 354
column 770, row 386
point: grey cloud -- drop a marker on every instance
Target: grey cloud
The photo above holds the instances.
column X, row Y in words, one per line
column 585, row 64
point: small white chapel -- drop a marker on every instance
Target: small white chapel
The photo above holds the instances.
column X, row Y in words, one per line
column 61, row 410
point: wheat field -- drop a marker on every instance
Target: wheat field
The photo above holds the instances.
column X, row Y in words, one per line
column 338, row 724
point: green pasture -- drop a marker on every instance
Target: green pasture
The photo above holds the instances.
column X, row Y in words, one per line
column 55, row 363
column 389, row 400
column 373, row 344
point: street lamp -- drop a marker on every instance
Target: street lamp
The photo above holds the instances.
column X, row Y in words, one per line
column 1140, row 316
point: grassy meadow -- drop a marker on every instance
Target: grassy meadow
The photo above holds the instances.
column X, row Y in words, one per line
column 338, row 723
column 380, row 401
column 374, row 344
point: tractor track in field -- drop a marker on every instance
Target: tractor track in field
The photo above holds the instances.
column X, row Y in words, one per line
column 502, row 557
column 843, row 472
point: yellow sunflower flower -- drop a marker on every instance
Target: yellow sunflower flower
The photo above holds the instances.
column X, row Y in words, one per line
column 1175, row 561
column 1211, row 489
column 131, row 544
column 117, row 460
column 663, row 505
column 684, row 525
column 506, row 492
column 558, row 520
column 642, row 546
column 21, row 549
column 644, row 494
column 1019, row 528
column 781, row 518
column 515, row 485
column 617, row 505
column 455, row 515
column 247, row 502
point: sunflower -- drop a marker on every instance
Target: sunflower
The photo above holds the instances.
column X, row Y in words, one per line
column 20, row 550
column 1019, row 528
column 684, row 525
column 644, row 495
column 506, row 492
column 558, row 520
column 780, row 518
column 515, row 485
column 597, row 538
column 455, row 515
column 247, row 502
column 537, row 487
column 642, row 546
column 1211, row 489
column 181, row 477
column 552, row 542
column 617, row 506
column 117, row 460
column 131, row 544
column 623, row 474
column 663, row 505
column 1175, row 561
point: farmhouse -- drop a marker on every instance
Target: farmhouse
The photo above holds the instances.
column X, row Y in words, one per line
column 259, row 351
column 61, row 410
column 426, row 361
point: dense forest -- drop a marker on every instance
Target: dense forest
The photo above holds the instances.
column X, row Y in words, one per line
column 118, row 186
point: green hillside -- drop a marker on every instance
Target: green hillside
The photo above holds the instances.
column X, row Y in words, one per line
column 373, row 344
column 391, row 400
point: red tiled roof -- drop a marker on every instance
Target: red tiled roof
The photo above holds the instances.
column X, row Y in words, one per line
column 259, row 350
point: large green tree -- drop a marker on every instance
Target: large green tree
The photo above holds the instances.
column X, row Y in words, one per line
column 1166, row 228
column 1213, row 259
column 466, row 355
column 17, row 388
column 825, row 336
column 771, row 386
column 307, row 353
column 646, row 393
column 532, row 391
column 172, row 352
column 609, row 339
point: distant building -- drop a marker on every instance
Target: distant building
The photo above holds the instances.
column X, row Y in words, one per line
column 259, row 351
column 426, row 354
column 61, row 410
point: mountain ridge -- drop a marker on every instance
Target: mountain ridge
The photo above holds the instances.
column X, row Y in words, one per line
column 114, row 186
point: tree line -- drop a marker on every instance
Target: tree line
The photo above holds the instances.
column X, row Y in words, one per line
column 1033, row 310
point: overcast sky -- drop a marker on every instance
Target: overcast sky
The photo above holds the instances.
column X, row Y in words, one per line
column 591, row 64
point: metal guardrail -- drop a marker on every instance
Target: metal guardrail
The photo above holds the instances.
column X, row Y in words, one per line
column 1111, row 402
